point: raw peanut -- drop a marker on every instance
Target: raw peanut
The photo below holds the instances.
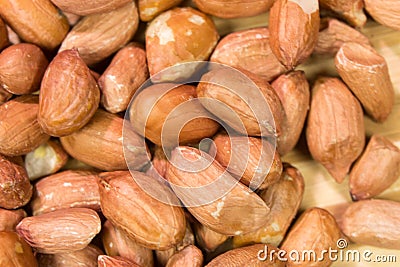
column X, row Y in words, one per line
column 15, row 188
column 154, row 114
column 14, row 251
column 189, row 256
column 367, row 75
column 250, row 50
column 234, row 9
column 149, row 9
column 376, row 170
column 72, row 18
column 60, row 231
column 232, row 96
column 117, row 243
column 108, row 261
column 177, row 36
column 333, row 34
column 247, row 256
column 67, row 189
column 315, row 230
column 20, row 131
column 230, row 208
column 86, row 257
column 386, row 12
column 37, row 22
column 3, row 35
column 97, row 36
column 4, row 96
column 106, row 131
column 284, row 198
column 293, row 26
column 373, row 222
column 125, row 74
column 69, row 95
column 89, row 7
column 350, row 10
column 10, row 218
column 46, row 159
column 335, row 129
column 293, row 91
column 160, row 161
column 251, row 160
column 208, row 239
column 22, row 67
column 148, row 221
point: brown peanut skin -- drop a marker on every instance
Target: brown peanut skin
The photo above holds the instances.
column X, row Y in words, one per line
column 146, row 220
column 83, row 144
column 60, row 231
column 79, row 190
column 350, row 10
column 316, row 230
column 386, row 12
column 376, row 169
column 116, row 261
column 37, row 22
column 206, row 238
column 14, row 251
column 88, row 7
column 125, row 74
column 3, row 35
column 246, row 256
column 10, row 218
column 15, row 187
column 22, row 67
column 189, row 256
column 86, row 257
column 149, row 9
column 69, row 95
column 373, row 222
column 20, row 131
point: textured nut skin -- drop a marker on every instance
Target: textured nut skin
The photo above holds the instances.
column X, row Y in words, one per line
column 20, row 131
column 3, row 35
column 386, row 12
column 335, row 129
column 88, row 7
column 293, row 27
column 367, row 75
column 373, row 222
column 315, row 230
column 189, row 256
column 69, row 95
column 376, row 170
column 10, row 218
column 249, row 50
column 149, row 9
column 84, row 144
column 293, row 91
column 233, row 9
column 60, row 231
column 231, row 87
column 284, row 197
column 22, row 67
column 176, row 36
column 239, row 210
column 4, row 96
column 36, row 22
column 116, row 261
column 156, row 117
column 86, row 257
column 15, row 188
column 149, row 222
column 119, row 82
column 14, row 251
column 97, row 36
column 333, row 34
column 246, row 256
column 259, row 167
column 67, row 189
column 206, row 238
column 117, row 243
column 350, row 10
column 46, row 159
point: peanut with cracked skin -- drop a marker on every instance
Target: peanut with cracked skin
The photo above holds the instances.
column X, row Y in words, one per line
column 14, row 251
column 350, row 10
column 149, row 9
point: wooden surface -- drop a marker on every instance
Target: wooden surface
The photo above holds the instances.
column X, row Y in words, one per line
column 321, row 190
